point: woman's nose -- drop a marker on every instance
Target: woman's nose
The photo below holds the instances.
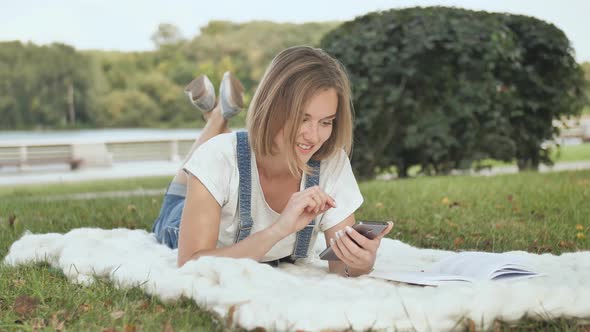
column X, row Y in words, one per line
column 311, row 133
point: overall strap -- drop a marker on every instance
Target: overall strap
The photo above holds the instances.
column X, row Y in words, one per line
column 303, row 238
column 245, row 187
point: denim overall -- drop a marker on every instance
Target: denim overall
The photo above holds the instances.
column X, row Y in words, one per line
column 167, row 224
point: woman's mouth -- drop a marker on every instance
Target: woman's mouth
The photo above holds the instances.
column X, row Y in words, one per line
column 305, row 149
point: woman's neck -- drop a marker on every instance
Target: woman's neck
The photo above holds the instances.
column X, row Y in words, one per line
column 273, row 167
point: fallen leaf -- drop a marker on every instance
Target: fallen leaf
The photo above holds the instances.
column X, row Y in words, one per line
column 143, row 305
column 445, row 201
column 579, row 227
column 84, row 307
column 580, row 236
column 130, row 328
column 117, row 314
column 109, row 329
column 379, row 205
column 168, row 327
column 131, row 208
column 11, row 219
column 56, row 323
column 509, row 198
column 566, row 244
column 458, row 241
column 38, row 324
column 24, row 305
column 59, row 326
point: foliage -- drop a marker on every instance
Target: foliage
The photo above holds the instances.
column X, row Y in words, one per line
column 586, row 67
column 34, row 80
column 44, row 85
column 444, row 87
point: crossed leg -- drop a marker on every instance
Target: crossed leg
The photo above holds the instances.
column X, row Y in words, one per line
column 216, row 124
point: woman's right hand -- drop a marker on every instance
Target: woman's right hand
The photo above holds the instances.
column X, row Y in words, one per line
column 302, row 208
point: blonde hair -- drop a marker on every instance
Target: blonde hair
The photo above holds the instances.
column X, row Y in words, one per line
column 293, row 77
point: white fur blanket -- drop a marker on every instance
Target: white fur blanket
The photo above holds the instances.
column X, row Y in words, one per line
column 305, row 297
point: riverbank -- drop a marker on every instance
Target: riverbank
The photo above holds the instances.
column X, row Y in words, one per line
column 169, row 168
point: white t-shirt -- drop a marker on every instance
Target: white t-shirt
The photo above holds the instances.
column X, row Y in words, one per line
column 215, row 164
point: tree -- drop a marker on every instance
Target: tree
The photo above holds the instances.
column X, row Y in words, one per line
column 166, row 34
column 437, row 87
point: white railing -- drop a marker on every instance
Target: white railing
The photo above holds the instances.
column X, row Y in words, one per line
column 93, row 152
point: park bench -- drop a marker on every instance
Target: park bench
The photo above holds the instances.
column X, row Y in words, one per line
column 25, row 156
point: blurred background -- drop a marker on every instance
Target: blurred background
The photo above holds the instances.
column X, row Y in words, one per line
column 439, row 87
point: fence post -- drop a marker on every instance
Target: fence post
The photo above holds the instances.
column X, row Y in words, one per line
column 23, row 158
column 174, row 156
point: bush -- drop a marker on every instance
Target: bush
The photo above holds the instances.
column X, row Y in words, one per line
column 444, row 87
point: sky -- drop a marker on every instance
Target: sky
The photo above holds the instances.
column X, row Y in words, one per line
column 127, row 25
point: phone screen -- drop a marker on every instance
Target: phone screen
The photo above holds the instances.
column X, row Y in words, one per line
column 369, row 229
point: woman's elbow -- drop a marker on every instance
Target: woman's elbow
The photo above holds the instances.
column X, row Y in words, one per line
column 183, row 259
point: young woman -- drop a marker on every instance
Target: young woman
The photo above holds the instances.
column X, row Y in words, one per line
column 266, row 194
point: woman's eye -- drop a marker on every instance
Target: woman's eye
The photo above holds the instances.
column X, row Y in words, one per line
column 327, row 123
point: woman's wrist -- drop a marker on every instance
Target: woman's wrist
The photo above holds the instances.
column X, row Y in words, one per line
column 277, row 231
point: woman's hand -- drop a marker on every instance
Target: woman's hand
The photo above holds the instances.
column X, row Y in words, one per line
column 359, row 256
column 302, row 208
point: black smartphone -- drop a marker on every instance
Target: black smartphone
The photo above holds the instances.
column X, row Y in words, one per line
column 369, row 229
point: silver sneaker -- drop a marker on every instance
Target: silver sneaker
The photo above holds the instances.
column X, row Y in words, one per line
column 231, row 95
column 201, row 93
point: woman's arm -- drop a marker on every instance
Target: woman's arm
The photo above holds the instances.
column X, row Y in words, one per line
column 201, row 217
column 199, row 230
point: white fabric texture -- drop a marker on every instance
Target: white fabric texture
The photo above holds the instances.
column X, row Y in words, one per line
column 214, row 163
column 295, row 297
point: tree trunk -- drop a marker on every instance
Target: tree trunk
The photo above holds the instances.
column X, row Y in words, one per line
column 70, row 101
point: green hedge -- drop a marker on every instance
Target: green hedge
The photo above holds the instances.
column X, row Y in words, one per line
column 444, row 87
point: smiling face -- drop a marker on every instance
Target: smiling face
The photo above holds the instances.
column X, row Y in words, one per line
column 291, row 116
column 316, row 126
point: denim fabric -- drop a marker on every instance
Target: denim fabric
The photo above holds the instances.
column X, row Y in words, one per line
column 303, row 237
column 167, row 224
column 245, row 187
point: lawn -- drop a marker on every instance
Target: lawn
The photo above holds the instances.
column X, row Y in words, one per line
column 564, row 154
column 534, row 212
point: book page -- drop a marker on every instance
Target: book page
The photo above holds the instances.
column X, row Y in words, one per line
column 417, row 278
column 481, row 265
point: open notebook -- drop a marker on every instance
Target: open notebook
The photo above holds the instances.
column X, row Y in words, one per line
column 464, row 266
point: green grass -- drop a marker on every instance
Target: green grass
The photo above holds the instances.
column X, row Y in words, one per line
column 573, row 153
column 533, row 212
column 567, row 153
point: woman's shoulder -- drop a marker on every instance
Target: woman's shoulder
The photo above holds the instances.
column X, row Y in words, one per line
column 334, row 163
column 222, row 143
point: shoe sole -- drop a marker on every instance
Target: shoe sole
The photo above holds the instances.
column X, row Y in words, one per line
column 201, row 93
column 234, row 103
column 237, row 91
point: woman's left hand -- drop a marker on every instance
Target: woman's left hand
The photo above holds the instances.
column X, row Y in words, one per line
column 358, row 257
